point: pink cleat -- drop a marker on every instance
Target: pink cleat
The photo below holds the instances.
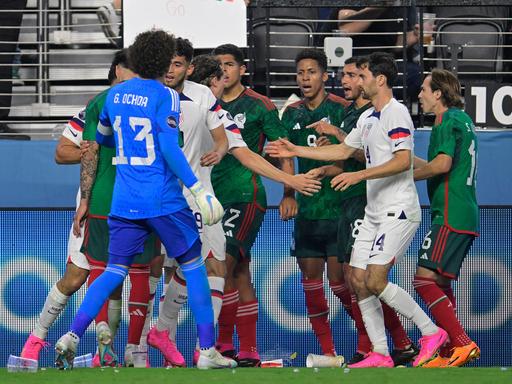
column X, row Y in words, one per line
column 160, row 340
column 96, row 361
column 374, row 360
column 33, row 347
column 429, row 346
column 195, row 357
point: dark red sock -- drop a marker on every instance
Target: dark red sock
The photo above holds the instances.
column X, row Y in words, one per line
column 227, row 317
column 318, row 313
column 340, row 290
column 394, row 326
column 246, row 319
column 364, row 345
column 446, row 350
column 138, row 303
column 442, row 310
column 96, row 271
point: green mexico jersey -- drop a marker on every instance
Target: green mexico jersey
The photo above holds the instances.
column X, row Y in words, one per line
column 326, row 203
column 101, row 195
column 352, row 114
column 453, row 195
column 258, row 121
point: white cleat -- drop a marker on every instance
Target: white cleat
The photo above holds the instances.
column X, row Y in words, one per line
column 109, row 23
column 66, row 350
column 212, row 359
column 128, row 354
column 104, row 336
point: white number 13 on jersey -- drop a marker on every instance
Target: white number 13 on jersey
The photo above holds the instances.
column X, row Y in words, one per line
column 143, row 135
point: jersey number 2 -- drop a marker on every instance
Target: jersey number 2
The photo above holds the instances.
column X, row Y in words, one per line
column 143, row 135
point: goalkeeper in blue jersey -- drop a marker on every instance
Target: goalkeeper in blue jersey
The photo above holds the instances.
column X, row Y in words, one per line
column 140, row 119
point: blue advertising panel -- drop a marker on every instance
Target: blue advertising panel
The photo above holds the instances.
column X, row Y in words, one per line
column 33, row 253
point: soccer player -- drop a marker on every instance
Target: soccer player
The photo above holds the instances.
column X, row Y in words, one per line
column 77, row 266
column 140, row 119
column 204, row 145
column 450, row 173
column 97, row 184
column 243, row 196
column 315, row 231
column 207, row 71
column 353, row 202
column 392, row 213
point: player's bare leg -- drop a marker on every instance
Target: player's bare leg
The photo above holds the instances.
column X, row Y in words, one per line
column 74, row 277
column 436, row 292
column 246, row 316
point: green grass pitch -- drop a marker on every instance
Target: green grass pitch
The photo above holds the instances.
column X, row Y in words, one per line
column 262, row 376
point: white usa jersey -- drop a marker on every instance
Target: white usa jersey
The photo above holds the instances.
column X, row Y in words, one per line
column 75, row 127
column 233, row 133
column 380, row 135
column 199, row 114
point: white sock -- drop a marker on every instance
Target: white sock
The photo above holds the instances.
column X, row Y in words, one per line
column 403, row 303
column 114, row 315
column 175, row 297
column 373, row 318
column 153, row 282
column 55, row 302
column 217, row 291
column 162, row 297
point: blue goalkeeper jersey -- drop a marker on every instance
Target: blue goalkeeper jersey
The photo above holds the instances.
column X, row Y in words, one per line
column 138, row 116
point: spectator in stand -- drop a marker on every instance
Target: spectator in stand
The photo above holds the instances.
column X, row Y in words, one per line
column 383, row 34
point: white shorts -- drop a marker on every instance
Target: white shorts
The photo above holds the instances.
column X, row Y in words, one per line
column 213, row 244
column 382, row 242
column 74, row 255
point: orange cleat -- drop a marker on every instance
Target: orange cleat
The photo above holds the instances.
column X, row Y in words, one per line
column 437, row 362
column 463, row 355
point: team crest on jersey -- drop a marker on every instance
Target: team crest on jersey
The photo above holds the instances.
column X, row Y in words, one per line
column 171, row 121
column 81, row 114
column 366, row 129
column 296, row 126
column 240, row 120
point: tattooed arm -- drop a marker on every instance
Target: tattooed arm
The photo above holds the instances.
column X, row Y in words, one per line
column 88, row 166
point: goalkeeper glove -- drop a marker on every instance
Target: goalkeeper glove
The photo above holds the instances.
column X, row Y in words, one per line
column 210, row 207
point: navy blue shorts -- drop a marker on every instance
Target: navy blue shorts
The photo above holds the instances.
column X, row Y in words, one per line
column 177, row 232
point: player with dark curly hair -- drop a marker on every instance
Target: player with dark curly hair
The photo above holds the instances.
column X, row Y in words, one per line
column 151, row 53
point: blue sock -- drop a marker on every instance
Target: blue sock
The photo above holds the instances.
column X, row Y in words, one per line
column 200, row 301
column 96, row 295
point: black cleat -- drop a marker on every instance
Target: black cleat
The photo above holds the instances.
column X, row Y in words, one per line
column 356, row 358
column 402, row 357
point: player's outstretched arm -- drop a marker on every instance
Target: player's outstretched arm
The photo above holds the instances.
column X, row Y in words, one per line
column 219, row 150
column 400, row 162
column 284, row 148
column 324, row 128
column 301, row 183
column 441, row 164
column 67, row 152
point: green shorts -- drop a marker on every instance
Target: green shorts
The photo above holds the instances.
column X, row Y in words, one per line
column 352, row 215
column 314, row 238
column 96, row 241
column 444, row 250
column 241, row 224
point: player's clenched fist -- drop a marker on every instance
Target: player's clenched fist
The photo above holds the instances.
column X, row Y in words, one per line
column 211, row 209
column 280, row 148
